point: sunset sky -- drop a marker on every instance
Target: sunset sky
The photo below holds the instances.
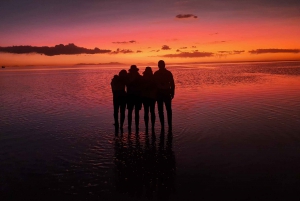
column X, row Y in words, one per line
column 143, row 32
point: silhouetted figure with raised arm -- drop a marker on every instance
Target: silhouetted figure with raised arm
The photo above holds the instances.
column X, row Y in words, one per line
column 149, row 97
column 119, row 98
column 165, row 93
column 134, row 101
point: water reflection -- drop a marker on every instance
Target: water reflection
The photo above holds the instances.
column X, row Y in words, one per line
column 145, row 168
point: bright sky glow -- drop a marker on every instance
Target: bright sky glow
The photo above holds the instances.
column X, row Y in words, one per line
column 139, row 31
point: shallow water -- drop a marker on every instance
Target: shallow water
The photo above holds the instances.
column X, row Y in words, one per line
column 235, row 135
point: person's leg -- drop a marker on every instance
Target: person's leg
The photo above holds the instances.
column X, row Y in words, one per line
column 161, row 113
column 116, row 111
column 122, row 114
column 137, row 117
column 129, row 119
column 138, row 107
column 146, row 113
column 168, row 104
column 152, row 112
column 130, row 106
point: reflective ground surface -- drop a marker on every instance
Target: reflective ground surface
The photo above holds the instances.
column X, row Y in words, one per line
column 235, row 135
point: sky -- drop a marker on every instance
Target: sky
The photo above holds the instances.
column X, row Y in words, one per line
column 69, row 32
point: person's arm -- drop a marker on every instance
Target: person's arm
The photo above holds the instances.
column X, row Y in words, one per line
column 113, row 83
column 172, row 86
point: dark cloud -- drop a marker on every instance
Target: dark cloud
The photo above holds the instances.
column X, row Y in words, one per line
column 165, row 47
column 232, row 52
column 190, row 54
column 123, row 51
column 264, row 51
column 226, row 53
column 183, row 16
column 218, row 41
column 139, row 51
column 178, row 50
column 124, row 42
column 183, row 48
column 173, row 39
column 238, row 51
column 194, row 46
column 110, row 63
column 69, row 49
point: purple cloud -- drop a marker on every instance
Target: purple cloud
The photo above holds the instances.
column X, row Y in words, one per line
column 69, row 49
column 124, row 42
column 165, row 47
column 183, row 16
column 271, row 50
column 190, row 54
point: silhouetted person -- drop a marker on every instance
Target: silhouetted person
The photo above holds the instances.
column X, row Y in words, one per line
column 134, row 96
column 119, row 98
column 149, row 97
column 165, row 93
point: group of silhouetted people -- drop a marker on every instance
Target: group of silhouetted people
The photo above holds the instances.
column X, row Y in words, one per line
column 136, row 91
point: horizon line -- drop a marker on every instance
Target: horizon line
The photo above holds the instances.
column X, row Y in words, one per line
column 148, row 63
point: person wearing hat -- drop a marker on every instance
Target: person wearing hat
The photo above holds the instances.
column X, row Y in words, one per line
column 119, row 98
column 148, row 97
column 165, row 93
column 134, row 96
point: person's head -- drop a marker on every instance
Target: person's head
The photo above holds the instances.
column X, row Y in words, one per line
column 122, row 73
column 148, row 71
column 161, row 64
column 133, row 68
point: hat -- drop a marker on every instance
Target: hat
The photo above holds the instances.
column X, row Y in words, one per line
column 133, row 68
column 148, row 70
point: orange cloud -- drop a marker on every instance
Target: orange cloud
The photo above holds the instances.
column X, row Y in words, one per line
column 124, row 51
column 221, row 54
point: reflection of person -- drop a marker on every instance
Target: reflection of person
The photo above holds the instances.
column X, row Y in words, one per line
column 166, row 169
column 148, row 97
column 128, row 167
column 133, row 96
column 119, row 98
column 143, row 170
column 165, row 92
